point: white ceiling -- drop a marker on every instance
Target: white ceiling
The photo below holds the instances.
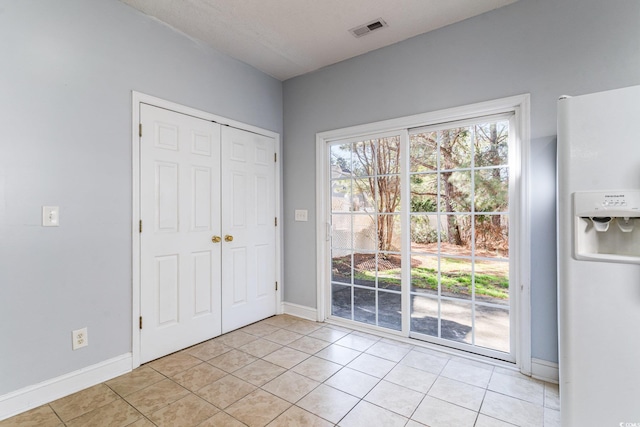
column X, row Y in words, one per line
column 287, row 38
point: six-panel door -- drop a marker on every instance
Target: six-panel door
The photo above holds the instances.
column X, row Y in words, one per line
column 248, row 273
column 208, row 241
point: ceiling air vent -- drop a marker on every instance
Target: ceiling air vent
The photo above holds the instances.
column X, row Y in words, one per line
column 365, row 29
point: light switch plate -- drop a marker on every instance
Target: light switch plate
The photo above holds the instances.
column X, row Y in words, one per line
column 50, row 216
column 301, row 215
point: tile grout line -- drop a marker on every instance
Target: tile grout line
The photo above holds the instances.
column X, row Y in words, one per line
column 306, row 330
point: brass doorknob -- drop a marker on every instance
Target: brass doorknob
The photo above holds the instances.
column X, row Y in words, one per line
column 228, row 238
column 216, row 239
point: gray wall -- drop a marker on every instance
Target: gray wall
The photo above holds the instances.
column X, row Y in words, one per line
column 543, row 47
column 66, row 74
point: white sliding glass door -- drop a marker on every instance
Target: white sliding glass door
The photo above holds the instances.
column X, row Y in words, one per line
column 459, row 235
column 421, row 226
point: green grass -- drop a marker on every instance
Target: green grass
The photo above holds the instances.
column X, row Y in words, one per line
column 452, row 281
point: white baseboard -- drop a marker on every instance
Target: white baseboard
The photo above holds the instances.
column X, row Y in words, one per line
column 545, row 371
column 305, row 312
column 36, row 395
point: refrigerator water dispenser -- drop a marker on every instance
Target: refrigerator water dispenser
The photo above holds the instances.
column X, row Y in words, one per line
column 607, row 226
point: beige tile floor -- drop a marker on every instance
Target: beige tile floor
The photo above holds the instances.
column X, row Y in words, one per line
column 285, row 371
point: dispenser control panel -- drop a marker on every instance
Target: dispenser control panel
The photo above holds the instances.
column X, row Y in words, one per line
column 613, row 203
column 614, row 200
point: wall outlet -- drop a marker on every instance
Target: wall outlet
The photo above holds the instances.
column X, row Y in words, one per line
column 80, row 338
column 50, row 216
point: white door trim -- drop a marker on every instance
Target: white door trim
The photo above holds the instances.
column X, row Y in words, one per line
column 138, row 98
column 520, row 105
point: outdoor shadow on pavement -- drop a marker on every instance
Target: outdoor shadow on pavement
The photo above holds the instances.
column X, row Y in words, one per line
column 451, row 330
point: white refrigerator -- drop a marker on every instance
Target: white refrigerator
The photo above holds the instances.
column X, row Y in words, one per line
column 599, row 258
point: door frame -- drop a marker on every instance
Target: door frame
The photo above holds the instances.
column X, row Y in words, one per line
column 520, row 106
column 138, row 98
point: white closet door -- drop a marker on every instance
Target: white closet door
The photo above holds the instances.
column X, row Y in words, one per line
column 248, row 218
column 180, row 212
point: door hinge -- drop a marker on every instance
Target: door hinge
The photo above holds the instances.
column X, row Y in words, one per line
column 140, row 226
column 276, row 221
column 140, row 322
column 276, row 286
column 275, row 157
column 140, row 130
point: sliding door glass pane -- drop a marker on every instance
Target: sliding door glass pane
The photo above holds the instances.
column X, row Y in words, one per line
column 366, row 230
column 492, row 328
column 455, row 322
column 364, row 305
column 341, row 266
column 456, row 279
column 341, row 301
column 491, row 279
column 425, row 314
column 390, row 310
column 459, row 189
